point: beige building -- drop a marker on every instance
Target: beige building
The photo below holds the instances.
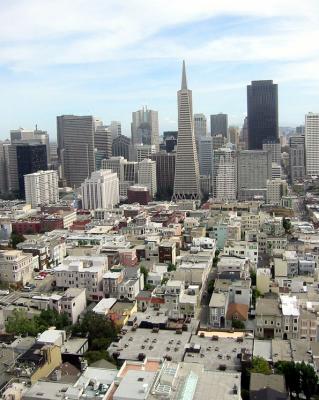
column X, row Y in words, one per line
column 263, row 279
column 72, row 302
column 41, row 188
column 15, row 266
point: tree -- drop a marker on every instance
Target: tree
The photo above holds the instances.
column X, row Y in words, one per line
column 144, row 271
column 286, row 225
column 210, row 286
column 255, row 294
column 309, row 380
column 171, row 267
column 253, row 277
column 15, row 239
column 237, row 324
column 260, row 366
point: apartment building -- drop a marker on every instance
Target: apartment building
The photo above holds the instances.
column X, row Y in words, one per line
column 15, row 266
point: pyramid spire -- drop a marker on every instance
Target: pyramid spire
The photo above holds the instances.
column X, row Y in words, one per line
column 184, row 80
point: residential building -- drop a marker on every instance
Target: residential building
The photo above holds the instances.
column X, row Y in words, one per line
column 76, row 147
column 144, row 127
column 262, row 113
column 268, row 319
column 200, row 128
column 72, row 303
column 186, row 182
column 16, row 266
column 290, row 315
column 218, row 306
column 312, row 143
column 147, row 175
column 167, row 252
column 83, row 272
column 224, row 175
column 263, row 280
column 276, row 189
column 219, row 125
column 41, row 188
column 101, row 190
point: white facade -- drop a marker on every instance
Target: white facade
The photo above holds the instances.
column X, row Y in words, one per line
column 101, row 190
column 143, row 151
column 41, row 188
column 83, row 272
column 15, row 266
column 312, row 143
column 224, row 175
column 145, row 128
column 200, row 125
column 125, row 170
column 275, row 171
column 115, row 128
column 147, row 175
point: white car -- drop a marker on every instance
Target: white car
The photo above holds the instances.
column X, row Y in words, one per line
column 4, row 292
column 39, row 278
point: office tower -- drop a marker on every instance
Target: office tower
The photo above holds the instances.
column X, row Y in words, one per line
column 126, row 172
column 165, row 172
column 200, row 125
column 147, row 175
column 276, row 171
column 144, row 151
column 115, row 129
column 312, row 143
column 262, row 113
column 145, row 128
column 31, row 136
column 102, row 144
column 300, row 130
column 218, row 141
column 219, row 124
column 297, row 158
column 276, row 189
column 224, row 175
column 244, row 135
column 3, row 169
column 76, row 147
column 234, row 135
column 41, row 188
column 253, row 171
column 121, row 147
column 186, row 182
column 30, row 158
column 170, row 140
column 205, row 155
column 101, row 190
column 274, row 147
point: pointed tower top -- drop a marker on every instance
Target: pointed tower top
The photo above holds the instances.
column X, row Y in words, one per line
column 184, row 80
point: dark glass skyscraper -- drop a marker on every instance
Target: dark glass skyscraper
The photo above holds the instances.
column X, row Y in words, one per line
column 262, row 113
column 30, row 158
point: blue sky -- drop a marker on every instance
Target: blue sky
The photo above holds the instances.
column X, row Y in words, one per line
column 110, row 57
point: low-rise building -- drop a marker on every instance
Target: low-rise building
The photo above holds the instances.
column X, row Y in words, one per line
column 15, row 266
column 218, row 306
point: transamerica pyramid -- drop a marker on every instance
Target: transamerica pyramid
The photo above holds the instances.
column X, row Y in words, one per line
column 186, row 182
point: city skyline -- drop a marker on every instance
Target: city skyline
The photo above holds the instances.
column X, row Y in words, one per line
column 109, row 69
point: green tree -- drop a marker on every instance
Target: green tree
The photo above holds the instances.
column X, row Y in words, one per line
column 253, row 277
column 15, row 239
column 292, row 376
column 255, row 295
column 210, row 286
column 309, row 380
column 144, row 271
column 286, row 225
column 260, row 365
column 171, row 267
column 237, row 324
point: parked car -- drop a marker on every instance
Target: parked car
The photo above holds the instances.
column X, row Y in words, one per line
column 39, row 278
column 27, row 288
column 4, row 292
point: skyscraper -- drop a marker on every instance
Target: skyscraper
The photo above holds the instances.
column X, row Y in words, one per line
column 145, row 128
column 115, row 129
column 121, row 147
column 186, row 183
column 41, row 188
column 205, row 155
column 30, row 158
column 224, row 175
column 312, row 143
column 101, row 190
column 200, row 126
column 147, row 175
column 254, row 169
column 76, row 147
column 102, row 144
column 219, row 124
column 165, row 172
column 297, row 157
column 262, row 113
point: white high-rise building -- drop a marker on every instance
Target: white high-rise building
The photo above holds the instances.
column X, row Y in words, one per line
column 205, row 155
column 115, row 129
column 276, row 189
column 186, row 182
column 125, row 170
column 145, row 128
column 147, row 175
column 101, row 190
column 41, row 188
column 200, row 125
column 224, row 175
column 312, row 143
column 144, row 151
